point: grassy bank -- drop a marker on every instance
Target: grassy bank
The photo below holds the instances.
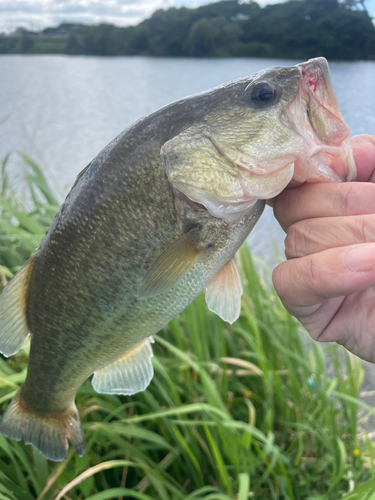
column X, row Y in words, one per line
column 233, row 412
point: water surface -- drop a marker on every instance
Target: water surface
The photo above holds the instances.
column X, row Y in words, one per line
column 63, row 110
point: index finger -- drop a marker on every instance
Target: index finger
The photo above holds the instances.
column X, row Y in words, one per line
column 330, row 200
column 364, row 156
column 311, row 201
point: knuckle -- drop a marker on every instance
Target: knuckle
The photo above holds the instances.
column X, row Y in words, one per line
column 348, row 198
column 291, row 243
column 285, row 282
column 284, row 206
column 360, row 229
column 355, row 198
column 364, row 227
column 279, row 281
column 296, row 239
column 312, row 277
column 280, row 208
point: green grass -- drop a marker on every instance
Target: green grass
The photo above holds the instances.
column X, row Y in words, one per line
column 233, row 412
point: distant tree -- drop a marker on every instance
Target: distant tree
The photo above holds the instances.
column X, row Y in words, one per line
column 27, row 44
column 353, row 4
column 167, row 30
column 7, row 45
column 212, row 37
column 299, row 29
column 229, row 9
column 98, row 40
column 323, row 6
column 74, row 45
column 137, row 39
column 308, row 28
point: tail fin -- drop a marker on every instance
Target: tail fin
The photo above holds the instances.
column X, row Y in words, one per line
column 49, row 433
column 13, row 302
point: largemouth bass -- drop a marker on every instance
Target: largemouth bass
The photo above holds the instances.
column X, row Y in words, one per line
column 156, row 218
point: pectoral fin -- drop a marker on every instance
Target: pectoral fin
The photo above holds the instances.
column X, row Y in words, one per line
column 223, row 294
column 127, row 375
column 172, row 265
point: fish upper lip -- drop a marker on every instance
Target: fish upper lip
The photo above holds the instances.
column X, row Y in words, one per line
column 323, row 126
column 316, row 84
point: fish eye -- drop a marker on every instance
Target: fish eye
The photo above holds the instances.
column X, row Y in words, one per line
column 262, row 94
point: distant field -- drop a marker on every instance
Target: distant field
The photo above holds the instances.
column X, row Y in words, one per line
column 49, row 45
column 33, row 45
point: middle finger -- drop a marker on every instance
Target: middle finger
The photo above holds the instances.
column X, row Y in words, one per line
column 310, row 236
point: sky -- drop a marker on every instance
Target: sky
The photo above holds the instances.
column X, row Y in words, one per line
column 39, row 14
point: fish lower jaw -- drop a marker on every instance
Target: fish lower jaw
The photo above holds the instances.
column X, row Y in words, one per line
column 268, row 185
column 325, row 163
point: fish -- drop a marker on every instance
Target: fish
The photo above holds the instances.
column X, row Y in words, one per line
column 155, row 219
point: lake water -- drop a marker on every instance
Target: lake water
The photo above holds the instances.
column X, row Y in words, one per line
column 63, row 110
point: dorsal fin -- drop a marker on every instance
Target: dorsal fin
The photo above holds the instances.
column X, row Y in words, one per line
column 14, row 329
column 82, row 172
column 172, row 265
column 129, row 374
column 223, row 294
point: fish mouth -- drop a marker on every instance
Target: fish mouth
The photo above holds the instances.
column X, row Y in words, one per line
column 316, row 115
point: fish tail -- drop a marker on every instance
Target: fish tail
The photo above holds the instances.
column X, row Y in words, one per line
column 49, row 433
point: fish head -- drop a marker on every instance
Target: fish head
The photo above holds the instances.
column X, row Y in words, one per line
column 256, row 135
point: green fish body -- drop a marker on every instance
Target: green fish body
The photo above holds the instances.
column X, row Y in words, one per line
column 156, row 218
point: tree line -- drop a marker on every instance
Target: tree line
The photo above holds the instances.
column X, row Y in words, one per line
column 296, row 29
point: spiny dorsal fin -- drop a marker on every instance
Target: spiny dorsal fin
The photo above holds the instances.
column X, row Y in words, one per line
column 223, row 294
column 129, row 374
column 172, row 265
column 80, row 175
column 13, row 303
column 83, row 171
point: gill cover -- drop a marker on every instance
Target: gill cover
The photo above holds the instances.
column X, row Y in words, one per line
column 204, row 171
column 196, row 168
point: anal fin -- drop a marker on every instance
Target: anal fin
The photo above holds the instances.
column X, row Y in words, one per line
column 129, row 374
column 14, row 329
column 223, row 294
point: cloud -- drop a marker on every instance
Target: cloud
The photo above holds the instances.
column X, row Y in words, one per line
column 38, row 14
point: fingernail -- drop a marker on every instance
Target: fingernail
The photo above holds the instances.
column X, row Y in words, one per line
column 361, row 258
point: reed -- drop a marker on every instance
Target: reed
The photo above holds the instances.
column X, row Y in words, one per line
column 249, row 410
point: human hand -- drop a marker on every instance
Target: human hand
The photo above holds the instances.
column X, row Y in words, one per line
column 328, row 281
